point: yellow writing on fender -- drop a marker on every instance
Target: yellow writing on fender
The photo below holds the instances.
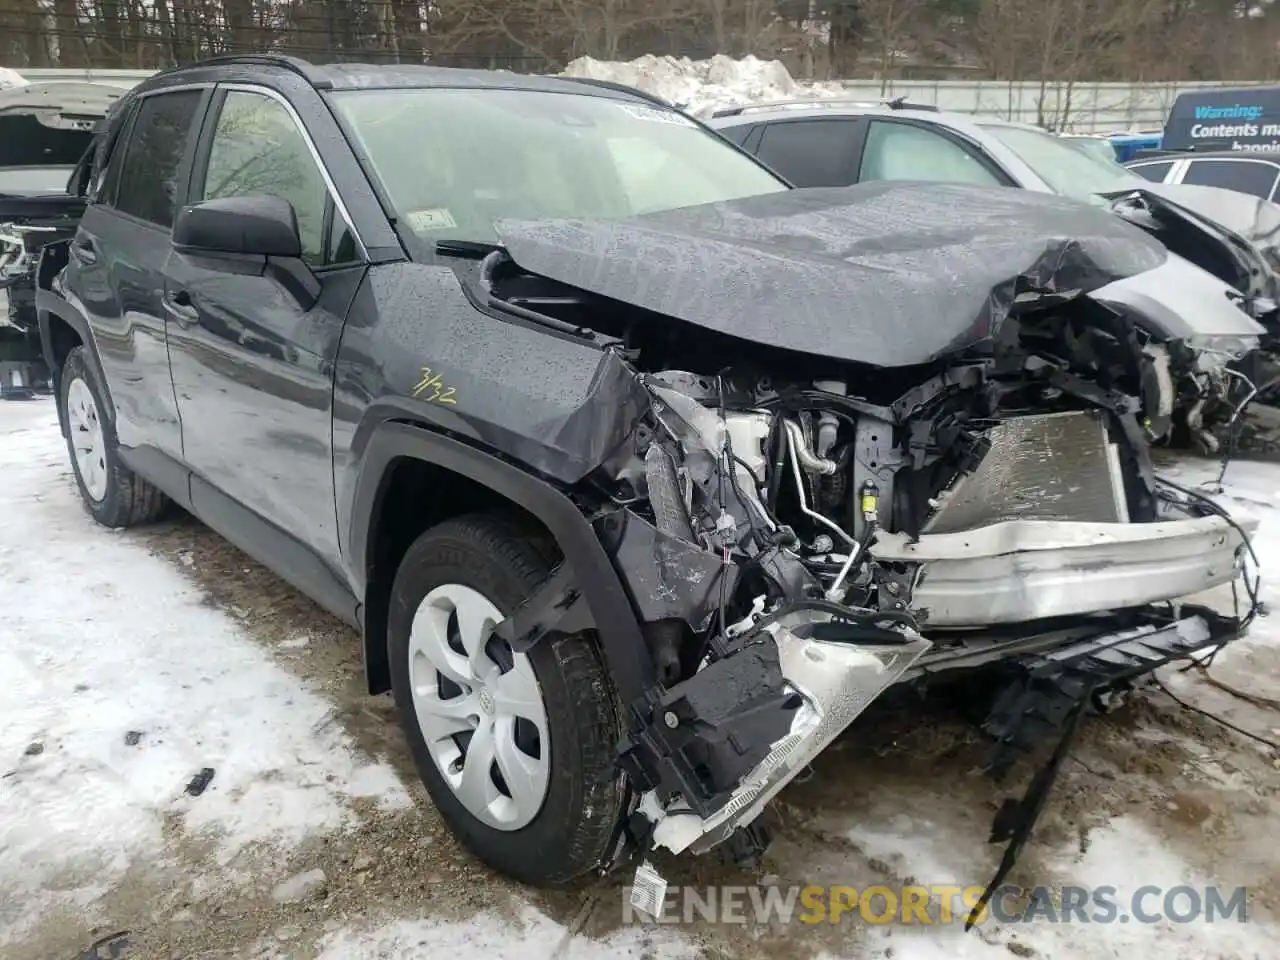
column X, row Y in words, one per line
column 882, row 904
column 432, row 389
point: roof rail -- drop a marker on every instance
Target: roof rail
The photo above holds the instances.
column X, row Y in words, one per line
column 302, row 68
column 896, row 103
column 617, row 87
column 902, row 103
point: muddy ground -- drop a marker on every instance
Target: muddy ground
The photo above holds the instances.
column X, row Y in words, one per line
column 1152, row 760
column 899, row 799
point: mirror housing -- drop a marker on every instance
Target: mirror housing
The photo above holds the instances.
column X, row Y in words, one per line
column 253, row 225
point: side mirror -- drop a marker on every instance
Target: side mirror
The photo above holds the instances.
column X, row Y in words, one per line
column 254, row 225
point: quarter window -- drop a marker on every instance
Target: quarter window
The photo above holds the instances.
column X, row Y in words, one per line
column 1155, row 172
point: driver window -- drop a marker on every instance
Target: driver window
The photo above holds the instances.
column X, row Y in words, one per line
column 902, row 151
column 257, row 148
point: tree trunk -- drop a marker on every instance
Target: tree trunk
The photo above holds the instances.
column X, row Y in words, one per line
column 111, row 38
column 241, row 35
column 408, row 29
column 68, row 35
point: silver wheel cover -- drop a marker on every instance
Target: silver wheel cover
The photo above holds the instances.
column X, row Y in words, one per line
column 479, row 707
column 87, row 439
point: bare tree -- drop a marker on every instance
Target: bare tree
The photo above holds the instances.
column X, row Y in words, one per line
column 1055, row 43
column 889, row 25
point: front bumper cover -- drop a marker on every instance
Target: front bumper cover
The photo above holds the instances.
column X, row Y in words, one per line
column 826, row 685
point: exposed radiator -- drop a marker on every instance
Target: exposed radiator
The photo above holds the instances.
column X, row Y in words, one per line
column 1055, row 466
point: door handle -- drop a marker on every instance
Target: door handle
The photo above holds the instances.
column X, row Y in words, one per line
column 84, row 250
column 179, row 306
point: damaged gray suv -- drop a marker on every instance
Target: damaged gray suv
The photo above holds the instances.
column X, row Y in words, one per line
column 640, row 473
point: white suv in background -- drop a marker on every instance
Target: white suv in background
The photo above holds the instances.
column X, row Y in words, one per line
column 832, row 143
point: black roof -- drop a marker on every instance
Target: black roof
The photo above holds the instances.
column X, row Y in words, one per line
column 368, row 76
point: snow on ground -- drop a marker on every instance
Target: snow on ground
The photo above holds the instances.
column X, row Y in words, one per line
column 101, row 644
column 124, row 678
column 699, row 85
column 491, row 937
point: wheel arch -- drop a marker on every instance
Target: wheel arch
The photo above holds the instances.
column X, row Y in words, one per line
column 62, row 329
column 402, row 456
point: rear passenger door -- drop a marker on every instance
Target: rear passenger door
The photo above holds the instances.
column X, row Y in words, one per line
column 116, row 266
column 903, row 150
column 252, row 360
column 812, row 152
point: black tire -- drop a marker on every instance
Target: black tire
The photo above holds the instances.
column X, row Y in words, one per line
column 128, row 500
column 570, row 835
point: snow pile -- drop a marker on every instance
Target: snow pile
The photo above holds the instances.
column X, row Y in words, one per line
column 11, row 78
column 698, row 86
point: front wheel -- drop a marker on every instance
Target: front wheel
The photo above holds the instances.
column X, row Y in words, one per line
column 516, row 750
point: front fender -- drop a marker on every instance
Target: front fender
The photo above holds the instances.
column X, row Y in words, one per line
column 611, row 614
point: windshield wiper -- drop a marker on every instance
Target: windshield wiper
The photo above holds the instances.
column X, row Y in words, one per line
column 473, row 249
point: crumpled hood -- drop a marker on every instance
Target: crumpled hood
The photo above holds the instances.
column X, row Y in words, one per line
column 1252, row 218
column 1238, row 227
column 888, row 274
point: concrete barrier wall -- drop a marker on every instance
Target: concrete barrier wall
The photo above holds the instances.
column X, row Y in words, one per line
column 1081, row 108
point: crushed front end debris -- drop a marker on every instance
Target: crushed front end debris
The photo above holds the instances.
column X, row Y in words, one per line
column 867, row 455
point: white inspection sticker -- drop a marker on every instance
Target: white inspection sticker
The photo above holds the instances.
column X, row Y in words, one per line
column 648, row 890
column 655, row 115
column 437, row 218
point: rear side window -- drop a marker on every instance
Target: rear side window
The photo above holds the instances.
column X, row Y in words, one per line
column 811, row 153
column 1244, row 176
column 148, row 186
column 903, row 151
column 1155, row 172
column 738, row 134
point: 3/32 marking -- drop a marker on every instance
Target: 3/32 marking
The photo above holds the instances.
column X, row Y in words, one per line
column 431, row 388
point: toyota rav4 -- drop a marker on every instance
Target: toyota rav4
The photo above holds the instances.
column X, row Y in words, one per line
column 640, row 473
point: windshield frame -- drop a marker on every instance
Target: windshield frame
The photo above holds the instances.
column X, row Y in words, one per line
column 1051, row 179
column 421, row 249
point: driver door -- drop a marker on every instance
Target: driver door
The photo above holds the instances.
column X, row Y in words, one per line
column 251, row 360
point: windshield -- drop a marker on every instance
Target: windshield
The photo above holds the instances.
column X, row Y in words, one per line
column 453, row 161
column 1102, row 149
column 34, row 179
column 1070, row 169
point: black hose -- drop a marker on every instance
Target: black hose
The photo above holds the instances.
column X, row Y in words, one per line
column 776, row 445
column 1252, row 587
column 861, row 617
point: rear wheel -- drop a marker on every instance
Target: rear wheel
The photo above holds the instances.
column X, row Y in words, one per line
column 114, row 494
column 516, row 750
